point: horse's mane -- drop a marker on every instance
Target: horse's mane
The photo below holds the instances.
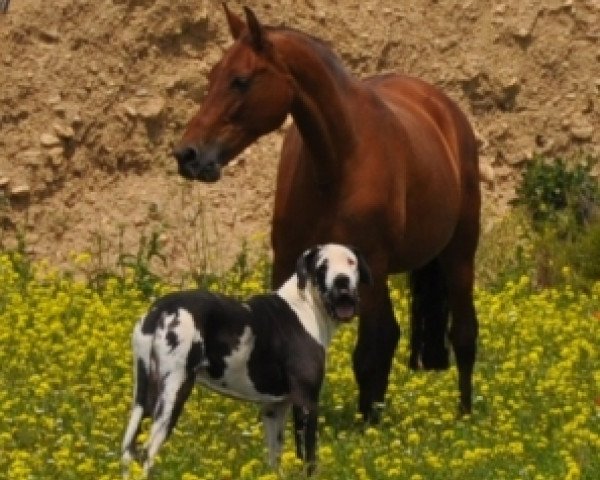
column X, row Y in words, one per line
column 324, row 49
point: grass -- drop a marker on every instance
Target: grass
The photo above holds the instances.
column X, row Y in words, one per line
column 65, row 391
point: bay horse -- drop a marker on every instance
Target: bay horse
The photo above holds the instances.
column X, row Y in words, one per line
column 388, row 164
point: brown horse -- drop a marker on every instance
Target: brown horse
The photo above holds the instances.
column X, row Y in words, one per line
column 388, row 164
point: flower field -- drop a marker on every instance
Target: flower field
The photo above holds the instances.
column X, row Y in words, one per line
column 66, row 385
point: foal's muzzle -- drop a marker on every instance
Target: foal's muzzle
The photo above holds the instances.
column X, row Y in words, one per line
column 198, row 164
column 342, row 300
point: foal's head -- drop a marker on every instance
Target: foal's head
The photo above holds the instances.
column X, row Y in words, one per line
column 250, row 93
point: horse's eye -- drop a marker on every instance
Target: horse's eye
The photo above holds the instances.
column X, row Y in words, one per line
column 240, row 83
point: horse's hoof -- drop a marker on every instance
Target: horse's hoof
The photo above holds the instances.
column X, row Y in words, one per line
column 372, row 416
column 463, row 410
column 415, row 363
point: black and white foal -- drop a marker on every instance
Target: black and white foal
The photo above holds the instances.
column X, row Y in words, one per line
column 269, row 349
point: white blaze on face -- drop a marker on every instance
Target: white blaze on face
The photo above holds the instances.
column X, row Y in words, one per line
column 340, row 261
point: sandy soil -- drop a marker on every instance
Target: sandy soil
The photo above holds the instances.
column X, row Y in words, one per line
column 94, row 94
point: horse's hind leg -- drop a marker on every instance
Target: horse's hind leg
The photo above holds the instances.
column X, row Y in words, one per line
column 463, row 330
column 378, row 335
column 458, row 263
column 428, row 318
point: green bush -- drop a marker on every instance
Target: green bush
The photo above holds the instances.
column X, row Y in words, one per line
column 561, row 193
column 561, row 199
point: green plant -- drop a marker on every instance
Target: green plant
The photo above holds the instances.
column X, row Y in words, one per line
column 66, row 378
column 506, row 251
column 584, row 255
column 558, row 192
column 561, row 199
column 140, row 264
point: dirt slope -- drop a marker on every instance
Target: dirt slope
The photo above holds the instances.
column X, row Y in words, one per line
column 93, row 95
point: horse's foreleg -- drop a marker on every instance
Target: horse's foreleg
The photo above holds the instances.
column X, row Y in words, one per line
column 378, row 335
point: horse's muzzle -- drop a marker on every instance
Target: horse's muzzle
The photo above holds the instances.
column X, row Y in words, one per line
column 201, row 165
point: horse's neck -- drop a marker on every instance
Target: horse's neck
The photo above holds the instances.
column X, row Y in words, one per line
column 320, row 109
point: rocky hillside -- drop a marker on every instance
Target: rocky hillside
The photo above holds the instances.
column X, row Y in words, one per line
column 95, row 93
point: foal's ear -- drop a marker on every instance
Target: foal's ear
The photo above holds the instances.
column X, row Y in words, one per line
column 236, row 24
column 305, row 265
column 256, row 30
column 364, row 271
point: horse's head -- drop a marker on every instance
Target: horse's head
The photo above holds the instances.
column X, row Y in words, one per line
column 249, row 94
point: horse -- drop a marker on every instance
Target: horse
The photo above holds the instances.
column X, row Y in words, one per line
column 388, row 164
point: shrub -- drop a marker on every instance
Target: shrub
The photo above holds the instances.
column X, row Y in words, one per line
column 561, row 198
column 558, row 192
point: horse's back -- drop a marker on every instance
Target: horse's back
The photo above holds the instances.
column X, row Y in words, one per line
column 412, row 99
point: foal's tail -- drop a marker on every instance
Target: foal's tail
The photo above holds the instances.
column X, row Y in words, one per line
column 429, row 318
column 144, row 391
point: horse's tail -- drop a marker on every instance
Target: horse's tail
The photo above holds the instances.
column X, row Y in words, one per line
column 429, row 318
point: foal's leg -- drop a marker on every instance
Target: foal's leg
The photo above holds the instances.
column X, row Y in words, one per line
column 305, row 434
column 176, row 389
column 273, row 417
column 143, row 390
column 378, row 335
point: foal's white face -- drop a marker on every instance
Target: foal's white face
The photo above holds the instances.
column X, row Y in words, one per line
column 336, row 271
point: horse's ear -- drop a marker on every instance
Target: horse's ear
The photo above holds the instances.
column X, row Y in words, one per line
column 236, row 24
column 364, row 272
column 305, row 265
column 256, row 30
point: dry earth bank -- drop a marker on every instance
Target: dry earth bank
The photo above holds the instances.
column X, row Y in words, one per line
column 94, row 94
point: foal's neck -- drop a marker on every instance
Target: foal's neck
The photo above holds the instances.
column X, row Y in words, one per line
column 320, row 109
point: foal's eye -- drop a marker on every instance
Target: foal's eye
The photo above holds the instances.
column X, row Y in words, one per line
column 240, row 83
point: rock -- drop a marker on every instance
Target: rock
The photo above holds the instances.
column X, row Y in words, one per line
column 48, row 176
column 4, row 181
column 56, row 156
column 63, row 131
column 54, row 100
column 49, row 140
column 503, row 172
column 487, row 174
column 581, row 130
column 32, row 158
column 130, row 111
column 20, row 191
column 506, row 93
column 151, row 108
column 76, row 120
column 50, row 36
